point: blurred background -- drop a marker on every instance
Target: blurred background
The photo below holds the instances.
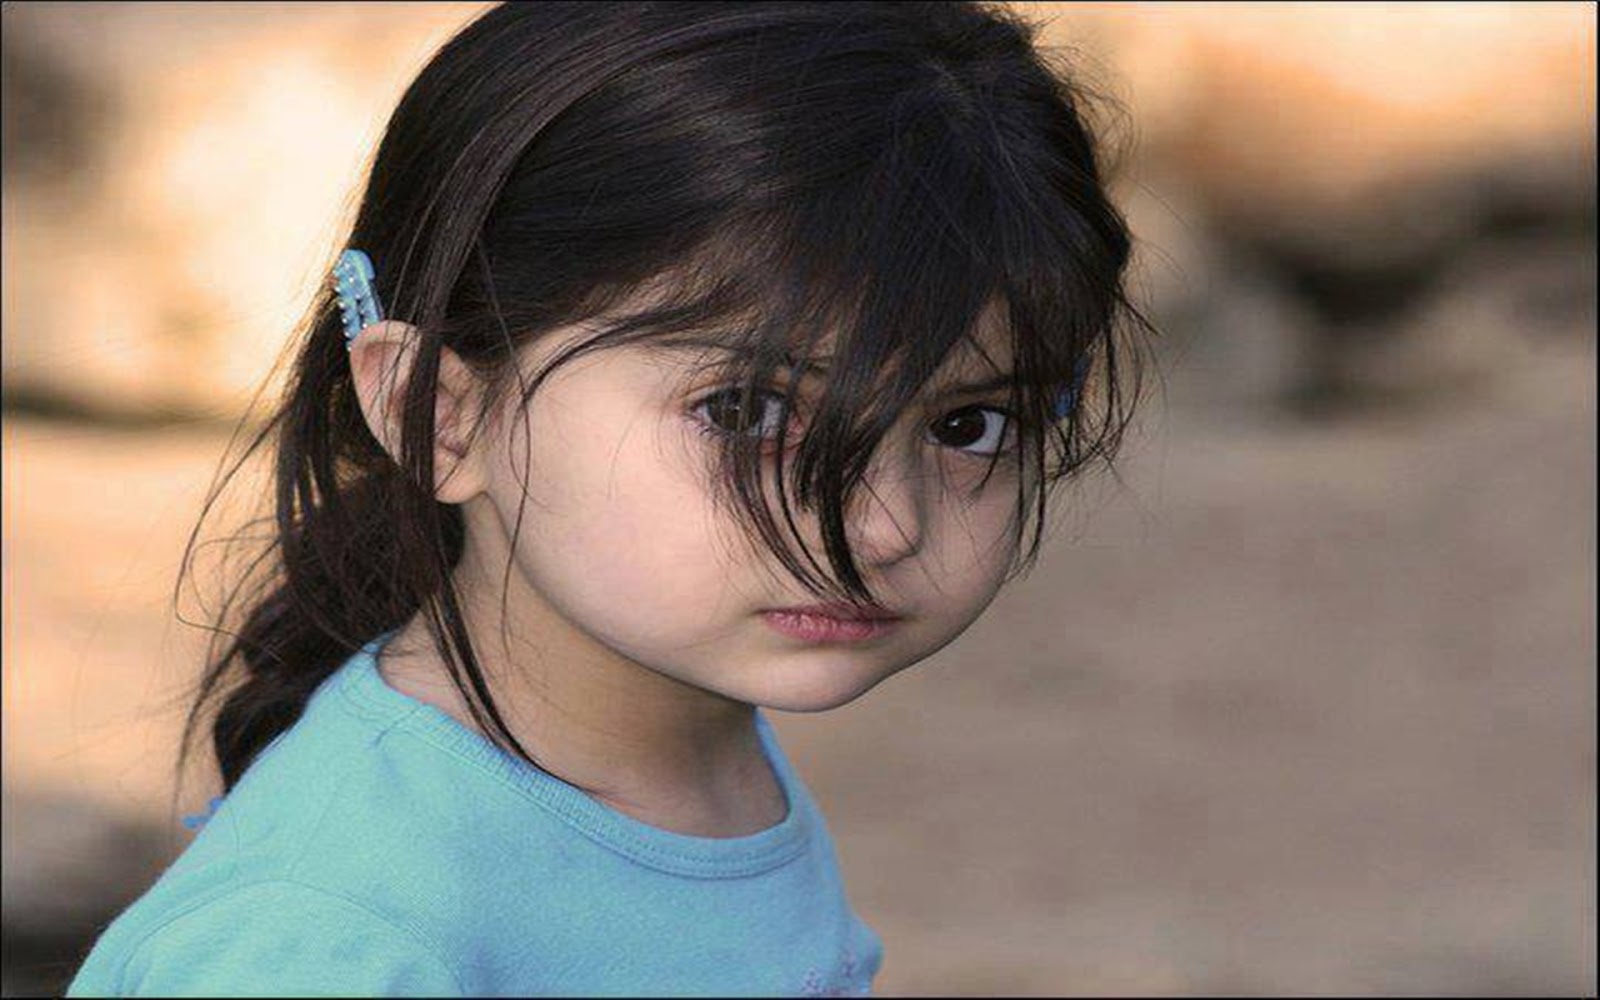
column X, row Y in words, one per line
column 1304, row 703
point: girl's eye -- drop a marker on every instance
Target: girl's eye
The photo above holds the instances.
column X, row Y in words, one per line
column 977, row 430
column 721, row 413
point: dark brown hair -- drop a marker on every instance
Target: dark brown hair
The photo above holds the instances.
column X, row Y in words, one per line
column 880, row 170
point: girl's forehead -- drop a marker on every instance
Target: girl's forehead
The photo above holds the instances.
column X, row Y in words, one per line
column 986, row 348
column 973, row 363
column 982, row 358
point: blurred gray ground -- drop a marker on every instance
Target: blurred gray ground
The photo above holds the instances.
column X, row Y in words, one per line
column 1297, row 709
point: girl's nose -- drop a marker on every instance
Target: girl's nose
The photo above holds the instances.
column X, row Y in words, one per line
column 888, row 516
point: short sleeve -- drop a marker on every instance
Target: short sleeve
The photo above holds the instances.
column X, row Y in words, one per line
column 283, row 939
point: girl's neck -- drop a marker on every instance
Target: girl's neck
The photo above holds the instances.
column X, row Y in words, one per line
column 661, row 751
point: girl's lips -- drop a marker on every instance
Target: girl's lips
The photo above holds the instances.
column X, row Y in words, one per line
column 810, row 626
column 848, row 612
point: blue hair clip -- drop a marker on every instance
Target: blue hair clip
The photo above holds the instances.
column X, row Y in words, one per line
column 358, row 302
column 1068, row 397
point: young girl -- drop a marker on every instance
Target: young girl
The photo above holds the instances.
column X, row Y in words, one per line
column 686, row 359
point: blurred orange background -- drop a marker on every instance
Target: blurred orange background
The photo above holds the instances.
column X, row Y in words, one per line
column 1305, row 703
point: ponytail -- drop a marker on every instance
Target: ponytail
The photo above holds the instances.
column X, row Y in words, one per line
column 342, row 569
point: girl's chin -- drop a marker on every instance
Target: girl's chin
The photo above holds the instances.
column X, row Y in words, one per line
column 815, row 687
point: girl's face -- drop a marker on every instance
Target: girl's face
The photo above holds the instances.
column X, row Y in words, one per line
column 623, row 558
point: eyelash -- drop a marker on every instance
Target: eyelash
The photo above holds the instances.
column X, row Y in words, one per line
column 711, row 430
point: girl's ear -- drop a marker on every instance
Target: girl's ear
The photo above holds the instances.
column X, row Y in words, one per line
column 380, row 364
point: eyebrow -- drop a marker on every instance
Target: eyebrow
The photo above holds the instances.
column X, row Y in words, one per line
column 814, row 366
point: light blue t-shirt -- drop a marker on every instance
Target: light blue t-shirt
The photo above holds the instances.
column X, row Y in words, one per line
column 380, row 848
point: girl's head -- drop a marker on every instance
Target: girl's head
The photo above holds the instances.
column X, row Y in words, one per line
column 696, row 310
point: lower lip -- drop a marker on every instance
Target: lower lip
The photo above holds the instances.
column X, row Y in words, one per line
column 821, row 628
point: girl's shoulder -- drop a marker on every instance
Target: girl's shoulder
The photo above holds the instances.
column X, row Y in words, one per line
column 268, row 937
column 311, row 866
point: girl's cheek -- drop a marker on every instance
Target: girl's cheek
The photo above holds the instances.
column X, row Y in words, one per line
column 985, row 531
